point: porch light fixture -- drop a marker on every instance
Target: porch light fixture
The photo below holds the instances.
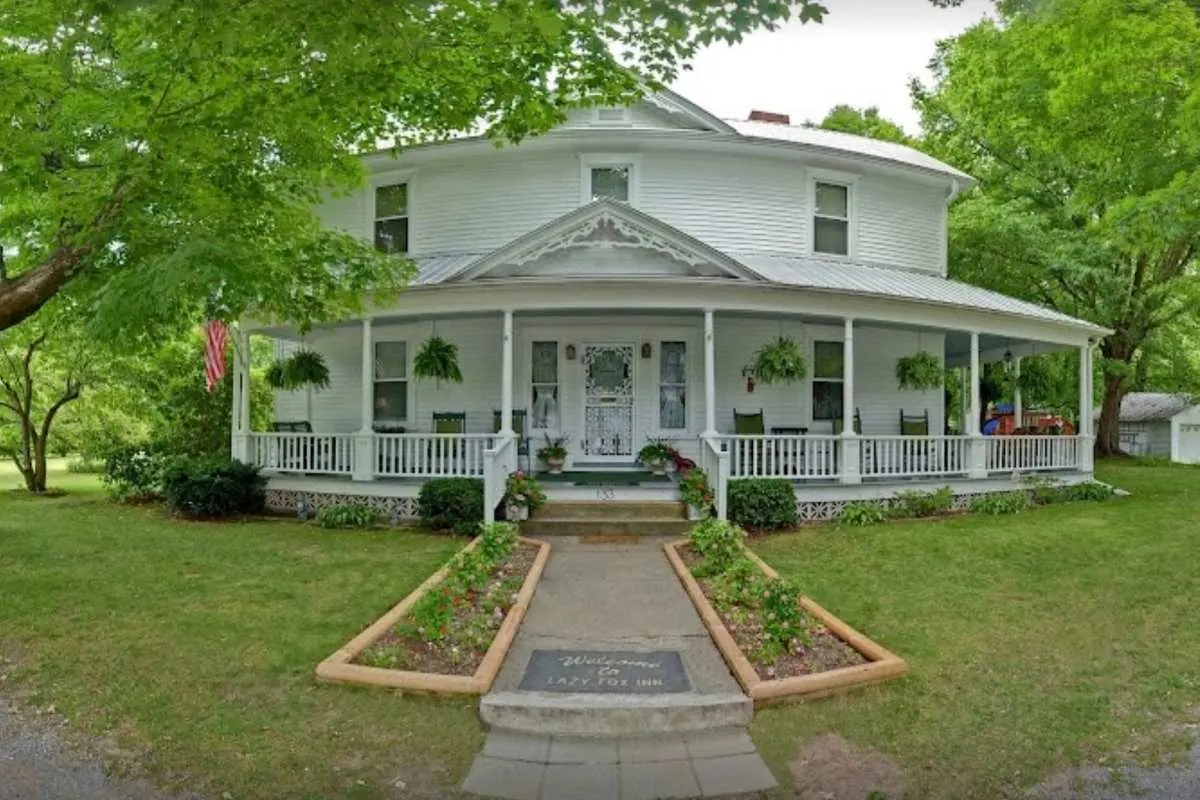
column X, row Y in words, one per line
column 570, row 352
column 1008, row 356
column 647, row 350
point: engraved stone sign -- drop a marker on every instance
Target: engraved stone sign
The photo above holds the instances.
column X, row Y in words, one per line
column 605, row 672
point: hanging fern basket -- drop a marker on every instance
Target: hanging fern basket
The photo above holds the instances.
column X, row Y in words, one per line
column 301, row 369
column 780, row 361
column 276, row 375
column 920, row 372
column 437, row 360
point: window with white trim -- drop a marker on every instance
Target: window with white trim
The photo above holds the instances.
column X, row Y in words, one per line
column 829, row 372
column 612, row 115
column 672, row 386
column 831, row 218
column 391, row 383
column 611, row 181
column 544, row 385
column 391, row 218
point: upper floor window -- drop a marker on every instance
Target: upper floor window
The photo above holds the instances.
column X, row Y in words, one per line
column 831, row 219
column 611, row 182
column 391, row 218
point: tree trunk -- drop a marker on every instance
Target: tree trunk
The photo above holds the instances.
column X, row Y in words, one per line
column 1108, row 431
column 22, row 296
column 39, row 466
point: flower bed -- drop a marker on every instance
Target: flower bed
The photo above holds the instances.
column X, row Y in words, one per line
column 451, row 634
column 778, row 643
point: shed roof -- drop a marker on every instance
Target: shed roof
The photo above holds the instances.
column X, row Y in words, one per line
column 1152, row 406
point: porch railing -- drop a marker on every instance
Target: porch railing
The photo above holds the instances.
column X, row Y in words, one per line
column 431, row 455
column 1030, row 453
column 795, row 457
column 310, row 453
column 914, row 456
column 499, row 461
column 714, row 460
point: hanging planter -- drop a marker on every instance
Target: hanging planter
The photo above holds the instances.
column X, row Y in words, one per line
column 780, row 361
column 919, row 372
column 1036, row 379
column 437, row 359
column 301, row 369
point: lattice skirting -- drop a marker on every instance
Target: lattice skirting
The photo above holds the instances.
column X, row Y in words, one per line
column 826, row 510
column 306, row 504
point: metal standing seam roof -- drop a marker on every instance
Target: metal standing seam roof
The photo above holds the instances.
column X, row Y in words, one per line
column 824, row 275
column 1152, row 406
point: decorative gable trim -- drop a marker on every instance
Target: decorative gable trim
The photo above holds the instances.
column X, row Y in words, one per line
column 609, row 225
column 674, row 103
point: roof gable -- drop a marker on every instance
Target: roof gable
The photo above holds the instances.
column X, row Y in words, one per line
column 597, row 240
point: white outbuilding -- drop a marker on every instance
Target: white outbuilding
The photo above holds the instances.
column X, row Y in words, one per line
column 1158, row 424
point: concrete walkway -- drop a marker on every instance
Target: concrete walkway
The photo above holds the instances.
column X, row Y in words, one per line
column 604, row 599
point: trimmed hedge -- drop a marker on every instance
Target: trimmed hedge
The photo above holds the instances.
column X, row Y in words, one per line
column 451, row 504
column 213, row 488
column 764, row 504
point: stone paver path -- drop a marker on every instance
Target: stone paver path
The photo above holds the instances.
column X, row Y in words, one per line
column 621, row 597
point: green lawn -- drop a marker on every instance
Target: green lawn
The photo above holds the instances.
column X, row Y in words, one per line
column 194, row 645
column 1065, row 634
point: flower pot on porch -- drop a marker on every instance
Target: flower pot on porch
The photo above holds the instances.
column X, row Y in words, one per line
column 517, row 513
column 695, row 513
column 555, row 465
column 658, row 466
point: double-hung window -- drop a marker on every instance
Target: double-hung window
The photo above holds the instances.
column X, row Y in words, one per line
column 544, row 385
column 611, row 181
column 672, row 386
column 391, row 218
column 828, row 375
column 391, row 383
column 831, row 218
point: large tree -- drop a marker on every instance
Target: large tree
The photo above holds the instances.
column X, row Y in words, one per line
column 166, row 155
column 1082, row 119
column 863, row 122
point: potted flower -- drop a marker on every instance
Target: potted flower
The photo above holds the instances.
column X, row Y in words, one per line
column 655, row 455
column 554, row 453
column 522, row 494
column 696, row 493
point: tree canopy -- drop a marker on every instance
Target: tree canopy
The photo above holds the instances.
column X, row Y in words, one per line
column 1082, row 120
column 164, row 158
column 863, row 122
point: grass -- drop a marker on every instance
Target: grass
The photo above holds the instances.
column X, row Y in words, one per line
column 192, row 646
column 1062, row 635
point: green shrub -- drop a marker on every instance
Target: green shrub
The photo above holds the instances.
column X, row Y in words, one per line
column 861, row 513
column 1000, row 504
column 213, row 488
column 764, row 504
column 85, row 466
column 719, row 543
column 496, row 540
column 347, row 515
column 134, row 473
column 741, row 584
column 916, row 503
column 1045, row 491
column 782, row 620
column 1089, row 490
column 451, row 504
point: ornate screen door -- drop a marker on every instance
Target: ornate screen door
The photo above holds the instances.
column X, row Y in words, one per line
column 608, row 402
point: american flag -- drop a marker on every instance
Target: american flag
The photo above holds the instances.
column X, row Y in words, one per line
column 216, row 334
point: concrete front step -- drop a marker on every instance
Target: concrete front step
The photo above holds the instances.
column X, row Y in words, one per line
column 543, row 526
column 613, row 715
column 575, row 509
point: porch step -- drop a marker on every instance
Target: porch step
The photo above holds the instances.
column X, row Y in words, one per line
column 581, row 518
column 614, row 715
column 612, row 510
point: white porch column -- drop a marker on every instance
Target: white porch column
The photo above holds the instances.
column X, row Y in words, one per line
column 710, row 375
column 506, row 400
column 364, row 440
column 240, row 444
column 1086, row 432
column 1018, row 405
column 977, row 443
column 850, row 445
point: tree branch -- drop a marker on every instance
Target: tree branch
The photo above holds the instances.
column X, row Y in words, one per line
column 71, row 393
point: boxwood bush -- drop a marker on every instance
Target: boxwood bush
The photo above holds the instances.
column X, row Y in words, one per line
column 764, row 504
column 135, row 472
column 451, row 504
column 213, row 488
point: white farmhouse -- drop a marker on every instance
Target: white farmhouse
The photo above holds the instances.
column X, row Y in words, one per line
column 609, row 281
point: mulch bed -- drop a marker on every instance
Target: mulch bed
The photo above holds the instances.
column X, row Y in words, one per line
column 825, row 650
column 464, row 640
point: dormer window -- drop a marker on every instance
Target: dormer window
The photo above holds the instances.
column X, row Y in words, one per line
column 831, row 219
column 391, row 218
column 611, row 182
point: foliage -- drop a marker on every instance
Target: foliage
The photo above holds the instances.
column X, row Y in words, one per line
column 213, row 488
column 496, row 540
column 718, row 542
column 299, row 370
column 862, row 513
column 522, row 489
column 1085, row 209
column 155, row 152
column 135, row 472
column 1044, row 491
column 85, row 466
column 741, row 583
column 695, row 489
column 555, row 449
column 656, row 451
column 862, row 122
column 451, row 504
column 765, row 504
column 1000, row 504
column 919, row 372
column 780, row 361
column 915, row 503
column 437, row 360
column 782, row 618
column 347, row 515
column 1090, row 490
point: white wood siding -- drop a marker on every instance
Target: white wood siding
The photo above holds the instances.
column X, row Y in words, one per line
column 901, row 223
column 642, row 115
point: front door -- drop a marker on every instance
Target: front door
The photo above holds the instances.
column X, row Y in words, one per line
column 608, row 407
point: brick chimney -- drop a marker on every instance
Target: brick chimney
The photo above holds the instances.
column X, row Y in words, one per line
column 770, row 116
